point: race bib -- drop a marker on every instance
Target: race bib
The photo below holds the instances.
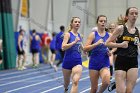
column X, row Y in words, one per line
column 136, row 41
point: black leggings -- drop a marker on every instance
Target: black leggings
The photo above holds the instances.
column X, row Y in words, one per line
column 62, row 55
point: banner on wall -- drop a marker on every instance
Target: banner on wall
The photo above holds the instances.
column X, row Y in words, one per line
column 24, row 8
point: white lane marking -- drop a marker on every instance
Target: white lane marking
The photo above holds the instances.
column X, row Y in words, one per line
column 37, row 71
column 17, row 72
column 62, row 85
column 38, row 83
column 33, row 84
column 23, row 80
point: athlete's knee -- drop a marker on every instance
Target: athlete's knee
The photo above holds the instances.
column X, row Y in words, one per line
column 130, row 86
column 120, row 90
column 75, row 83
column 76, row 80
column 106, row 81
column 93, row 90
column 129, row 90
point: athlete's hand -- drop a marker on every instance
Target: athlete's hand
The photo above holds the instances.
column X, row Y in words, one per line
column 139, row 45
column 124, row 44
column 109, row 53
column 100, row 41
column 77, row 39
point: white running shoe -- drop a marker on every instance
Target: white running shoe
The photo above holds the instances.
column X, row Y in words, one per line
column 23, row 67
column 55, row 68
column 19, row 68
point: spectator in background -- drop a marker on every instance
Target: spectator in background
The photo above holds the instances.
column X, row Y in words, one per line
column 59, row 40
column 45, row 46
column 53, row 51
column 21, row 52
column 35, row 47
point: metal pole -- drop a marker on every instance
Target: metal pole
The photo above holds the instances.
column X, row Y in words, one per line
column 52, row 15
column 69, row 12
column 127, row 4
column 96, row 9
column 47, row 14
column 19, row 14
